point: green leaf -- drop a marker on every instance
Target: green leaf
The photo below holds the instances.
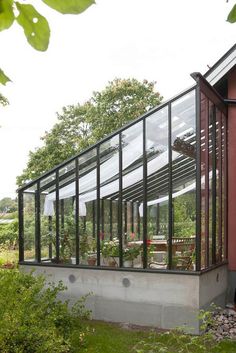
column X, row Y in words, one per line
column 35, row 26
column 232, row 15
column 69, row 6
column 3, row 78
column 6, row 14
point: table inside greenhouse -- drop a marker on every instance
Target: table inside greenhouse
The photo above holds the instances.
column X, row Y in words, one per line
column 178, row 244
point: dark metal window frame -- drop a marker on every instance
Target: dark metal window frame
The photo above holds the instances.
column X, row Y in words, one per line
column 201, row 86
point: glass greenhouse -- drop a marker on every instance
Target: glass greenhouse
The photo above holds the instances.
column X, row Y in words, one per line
column 149, row 197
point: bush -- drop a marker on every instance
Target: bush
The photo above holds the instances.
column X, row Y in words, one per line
column 9, row 234
column 33, row 320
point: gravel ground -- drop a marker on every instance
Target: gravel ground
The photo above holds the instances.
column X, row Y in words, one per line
column 223, row 324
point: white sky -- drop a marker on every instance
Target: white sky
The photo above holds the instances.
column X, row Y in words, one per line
column 161, row 40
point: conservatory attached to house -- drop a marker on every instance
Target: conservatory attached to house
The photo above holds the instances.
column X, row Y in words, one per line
column 140, row 218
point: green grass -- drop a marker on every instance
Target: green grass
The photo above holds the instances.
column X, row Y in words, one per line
column 110, row 338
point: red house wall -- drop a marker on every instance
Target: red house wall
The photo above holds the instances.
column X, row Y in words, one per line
column 232, row 172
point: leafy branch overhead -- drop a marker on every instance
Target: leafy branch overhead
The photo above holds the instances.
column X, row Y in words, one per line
column 35, row 26
column 232, row 15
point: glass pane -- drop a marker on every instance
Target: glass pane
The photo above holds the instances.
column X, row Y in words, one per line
column 87, row 208
column 211, row 109
column 109, row 189
column 132, row 194
column 48, row 221
column 204, row 183
column 48, row 181
column 29, row 225
column 218, row 188
column 67, row 168
column 224, row 181
column 183, row 181
column 157, row 188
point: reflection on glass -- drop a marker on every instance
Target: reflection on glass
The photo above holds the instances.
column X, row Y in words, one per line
column 183, row 182
column 88, row 208
column 157, row 188
column 204, row 183
column 29, row 225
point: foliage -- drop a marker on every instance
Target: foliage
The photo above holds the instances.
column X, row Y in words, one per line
column 9, row 234
column 79, row 126
column 184, row 215
column 35, row 26
column 8, row 256
column 87, row 245
column 33, row 320
column 131, row 252
column 3, row 100
column 8, row 205
column 110, row 248
column 110, row 338
column 175, row 341
column 232, row 15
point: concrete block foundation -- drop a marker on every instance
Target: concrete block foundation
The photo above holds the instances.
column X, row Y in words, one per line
column 164, row 300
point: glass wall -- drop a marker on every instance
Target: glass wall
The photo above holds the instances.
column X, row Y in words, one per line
column 157, row 189
column 183, row 142
column 213, row 179
column 29, row 224
column 137, row 198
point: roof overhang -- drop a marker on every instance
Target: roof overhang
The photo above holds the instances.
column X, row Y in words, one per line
column 221, row 67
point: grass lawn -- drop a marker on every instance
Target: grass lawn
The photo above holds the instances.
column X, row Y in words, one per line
column 110, row 338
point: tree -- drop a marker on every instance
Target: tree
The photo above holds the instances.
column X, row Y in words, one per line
column 8, row 205
column 79, row 126
column 35, row 26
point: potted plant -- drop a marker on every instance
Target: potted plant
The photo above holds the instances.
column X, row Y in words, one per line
column 130, row 253
column 110, row 251
column 88, row 249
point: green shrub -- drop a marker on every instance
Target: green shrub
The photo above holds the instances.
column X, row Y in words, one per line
column 32, row 319
column 9, row 234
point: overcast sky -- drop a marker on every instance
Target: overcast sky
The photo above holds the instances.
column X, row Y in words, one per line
column 161, row 40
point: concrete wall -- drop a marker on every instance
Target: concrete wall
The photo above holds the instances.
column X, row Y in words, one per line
column 154, row 299
column 213, row 287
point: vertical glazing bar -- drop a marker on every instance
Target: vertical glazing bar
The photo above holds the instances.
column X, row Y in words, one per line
column 157, row 218
column 145, row 259
column 226, row 185
column 214, row 185
column 125, row 215
column 37, row 224
column 94, row 218
column 57, row 218
column 120, row 218
column 170, row 203
column 132, row 217
column 111, row 219
column 77, row 237
column 98, row 205
column 50, row 237
column 219, row 143
column 103, row 217
column 21, row 225
column 138, row 221
column 62, row 213
column 207, row 184
column 198, row 178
